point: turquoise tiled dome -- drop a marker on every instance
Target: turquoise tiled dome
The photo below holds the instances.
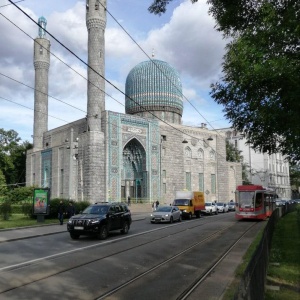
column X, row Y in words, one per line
column 153, row 86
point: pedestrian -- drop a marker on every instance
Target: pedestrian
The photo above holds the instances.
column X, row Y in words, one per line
column 128, row 200
column 61, row 211
column 71, row 209
column 154, row 206
column 157, row 203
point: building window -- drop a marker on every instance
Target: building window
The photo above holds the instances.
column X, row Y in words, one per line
column 188, row 184
column 200, row 154
column 212, row 155
column 164, row 174
column 213, row 183
column 164, row 188
column 201, row 182
column 188, row 152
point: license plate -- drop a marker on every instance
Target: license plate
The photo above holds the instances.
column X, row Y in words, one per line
column 78, row 228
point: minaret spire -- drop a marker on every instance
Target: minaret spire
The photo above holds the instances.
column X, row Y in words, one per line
column 92, row 148
column 96, row 23
column 41, row 66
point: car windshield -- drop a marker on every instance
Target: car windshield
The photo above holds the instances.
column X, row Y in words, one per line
column 96, row 210
column 181, row 202
column 220, row 204
column 164, row 208
column 208, row 204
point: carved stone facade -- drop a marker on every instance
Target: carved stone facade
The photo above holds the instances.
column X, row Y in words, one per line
column 145, row 154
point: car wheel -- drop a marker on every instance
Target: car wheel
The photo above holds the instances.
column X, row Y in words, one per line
column 171, row 220
column 103, row 233
column 190, row 216
column 125, row 228
column 74, row 236
column 180, row 218
column 210, row 212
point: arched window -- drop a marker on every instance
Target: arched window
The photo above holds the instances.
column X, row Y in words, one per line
column 200, row 153
column 188, row 152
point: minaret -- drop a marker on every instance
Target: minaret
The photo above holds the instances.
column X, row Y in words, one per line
column 96, row 23
column 91, row 146
column 41, row 66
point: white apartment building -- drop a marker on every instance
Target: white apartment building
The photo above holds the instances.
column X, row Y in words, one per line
column 271, row 171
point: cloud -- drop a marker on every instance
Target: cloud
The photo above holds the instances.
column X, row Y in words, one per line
column 188, row 41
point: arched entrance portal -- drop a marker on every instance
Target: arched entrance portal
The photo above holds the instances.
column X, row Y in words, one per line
column 134, row 181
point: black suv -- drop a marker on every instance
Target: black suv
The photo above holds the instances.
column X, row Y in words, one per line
column 99, row 219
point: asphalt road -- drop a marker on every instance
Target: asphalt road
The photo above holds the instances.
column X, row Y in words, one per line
column 154, row 261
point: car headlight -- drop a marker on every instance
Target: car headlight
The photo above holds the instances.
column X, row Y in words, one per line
column 184, row 210
column 95, row 221
column 166, row 215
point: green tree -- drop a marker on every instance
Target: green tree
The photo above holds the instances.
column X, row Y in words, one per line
column 232, row 153
column 295, row 179
column 260, row 86
column 3, row 186
column 13, row 156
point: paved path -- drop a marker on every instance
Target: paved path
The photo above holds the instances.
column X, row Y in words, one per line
column 138, row 211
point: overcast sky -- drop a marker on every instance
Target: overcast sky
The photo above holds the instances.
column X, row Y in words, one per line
column 184, row 37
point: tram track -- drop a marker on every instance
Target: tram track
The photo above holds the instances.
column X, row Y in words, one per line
column 186, row 293
column 77, row 266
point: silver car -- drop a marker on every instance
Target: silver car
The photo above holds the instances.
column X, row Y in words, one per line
column 166, row 214
column 231, row 206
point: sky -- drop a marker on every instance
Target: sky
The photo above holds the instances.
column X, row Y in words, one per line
column 185, row 37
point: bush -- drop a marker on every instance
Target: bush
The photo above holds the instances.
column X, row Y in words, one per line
column 20, row 194
column 27, row 209
column 5, row 210
column 54, row 203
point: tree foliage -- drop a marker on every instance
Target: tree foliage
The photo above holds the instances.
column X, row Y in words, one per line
column 13, row 156
column 232, row 153
column 259, row 89
column 260, row 86
column 3, row 186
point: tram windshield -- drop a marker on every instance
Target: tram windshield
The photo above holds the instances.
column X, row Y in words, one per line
column 246, row 199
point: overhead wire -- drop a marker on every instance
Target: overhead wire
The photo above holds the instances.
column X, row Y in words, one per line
column 109, row 82
column 118, row 88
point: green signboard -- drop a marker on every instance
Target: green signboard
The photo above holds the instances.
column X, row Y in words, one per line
column 41, row 201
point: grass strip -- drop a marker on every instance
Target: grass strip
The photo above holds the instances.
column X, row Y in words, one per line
column 284, row 264
column 20, row 220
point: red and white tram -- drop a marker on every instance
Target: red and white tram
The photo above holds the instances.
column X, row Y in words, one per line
column 254, row 202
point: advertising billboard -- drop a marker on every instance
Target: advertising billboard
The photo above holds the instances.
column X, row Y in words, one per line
column 41, row 198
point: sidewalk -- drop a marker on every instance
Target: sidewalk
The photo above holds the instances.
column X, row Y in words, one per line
column 138, row 212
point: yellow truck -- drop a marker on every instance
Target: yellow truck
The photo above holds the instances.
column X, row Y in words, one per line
column 189, row 203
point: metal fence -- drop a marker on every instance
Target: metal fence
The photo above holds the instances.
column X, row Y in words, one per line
column 252, row 284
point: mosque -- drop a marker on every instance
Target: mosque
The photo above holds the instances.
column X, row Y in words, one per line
column 146, row 153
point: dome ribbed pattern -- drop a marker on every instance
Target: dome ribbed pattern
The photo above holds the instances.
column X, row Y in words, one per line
column 153, row 86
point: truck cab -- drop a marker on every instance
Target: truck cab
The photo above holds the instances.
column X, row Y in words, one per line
column 190, row 203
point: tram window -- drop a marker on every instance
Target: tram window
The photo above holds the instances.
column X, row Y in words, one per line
column 258, row 201
column 246, row 199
